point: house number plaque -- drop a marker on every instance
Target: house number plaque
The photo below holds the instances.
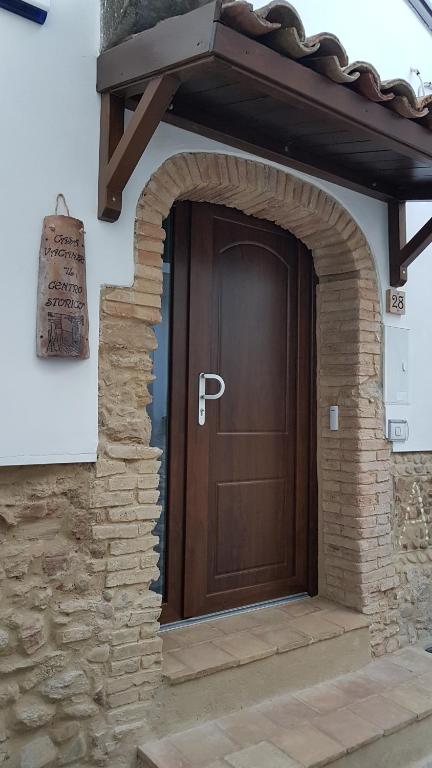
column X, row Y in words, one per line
column 396, row 302
column 62, row 315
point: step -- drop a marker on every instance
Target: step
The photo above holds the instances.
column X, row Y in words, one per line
column 231, row 641
column 378, row 716
column 215, row 667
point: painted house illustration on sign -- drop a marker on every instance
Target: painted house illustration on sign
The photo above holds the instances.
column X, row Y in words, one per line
column 215, row 527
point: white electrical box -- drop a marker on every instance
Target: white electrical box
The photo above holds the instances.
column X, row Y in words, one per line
column 334, row 418
column 396, row 368
column 397, row 430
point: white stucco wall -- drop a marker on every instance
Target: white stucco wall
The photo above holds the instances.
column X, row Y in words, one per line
column 49, row 144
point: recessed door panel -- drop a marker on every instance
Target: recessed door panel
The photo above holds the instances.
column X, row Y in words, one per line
column 250, row 330
column 253, row 513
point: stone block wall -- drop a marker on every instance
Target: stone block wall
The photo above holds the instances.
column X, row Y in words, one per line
column 121, row 18
column 48, row 678
column 79, row 652
column 412, row 526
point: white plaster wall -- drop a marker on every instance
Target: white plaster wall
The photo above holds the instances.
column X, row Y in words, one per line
column 49, row 144
column 389, row 34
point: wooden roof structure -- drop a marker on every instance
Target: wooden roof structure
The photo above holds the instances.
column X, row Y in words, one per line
column 206, row 72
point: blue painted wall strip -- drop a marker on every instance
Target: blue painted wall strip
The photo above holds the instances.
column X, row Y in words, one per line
column 25, row 9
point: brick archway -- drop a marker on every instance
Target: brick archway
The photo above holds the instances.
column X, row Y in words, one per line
column 79, row 627
column 356, row 557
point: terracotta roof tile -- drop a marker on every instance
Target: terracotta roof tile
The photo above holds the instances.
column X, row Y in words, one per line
column 241, row 16
column 279, row 26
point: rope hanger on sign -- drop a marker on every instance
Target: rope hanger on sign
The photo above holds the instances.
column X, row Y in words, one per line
column 61, row 197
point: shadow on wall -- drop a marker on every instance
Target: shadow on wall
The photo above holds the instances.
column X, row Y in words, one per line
column 121, row 18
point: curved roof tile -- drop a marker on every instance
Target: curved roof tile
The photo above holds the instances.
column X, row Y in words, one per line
column 279, row 26
column 369, row 81
column 288, row 42
column 241, row 16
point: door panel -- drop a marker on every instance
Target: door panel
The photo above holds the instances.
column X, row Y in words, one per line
column 249, row 324
column 247, row 469
column 252, row 513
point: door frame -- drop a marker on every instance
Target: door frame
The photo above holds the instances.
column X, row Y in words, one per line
column 173, row 605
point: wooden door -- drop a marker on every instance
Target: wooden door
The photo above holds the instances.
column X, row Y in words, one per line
column 246, row 486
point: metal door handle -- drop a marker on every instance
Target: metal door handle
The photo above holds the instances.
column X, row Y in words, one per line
column 202, row 396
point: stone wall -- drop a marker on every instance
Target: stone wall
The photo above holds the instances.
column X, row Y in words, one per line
column 79, row 650
column 80, row 655
column 412, row 526
column 49, row 679
column 121, row 18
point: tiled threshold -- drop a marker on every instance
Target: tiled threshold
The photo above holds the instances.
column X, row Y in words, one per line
column 195, row 651
column 327, row 723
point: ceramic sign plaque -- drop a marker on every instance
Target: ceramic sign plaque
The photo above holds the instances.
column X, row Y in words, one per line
column 62, row 315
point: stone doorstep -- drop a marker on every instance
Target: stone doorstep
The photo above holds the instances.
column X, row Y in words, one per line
column 211, row 646
column 310, row 728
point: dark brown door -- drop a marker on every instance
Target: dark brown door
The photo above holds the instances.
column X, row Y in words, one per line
column 248, row 481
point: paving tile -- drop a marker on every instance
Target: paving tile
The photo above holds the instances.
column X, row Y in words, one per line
column 287, row 711
column 384, row 713
column 162, row 754
column 316, row 626
column 348, row 729
column 414, row 660
column 387, row 673
column 243, row 621
column 203, row 745
column 357, row 685
column 198, row 633
column 263, row 755
column 323, row 604
column 271, row 616
column 324, row 698
column 218, row 764
column 171, row 640
column 246, row 647
column 309, row 746
column 173, row 669
column 347, row 619
column 247, row 727
column 204, row 658
column 425, row 679
column 412, row 696
column 299, row 608
column 283, row 638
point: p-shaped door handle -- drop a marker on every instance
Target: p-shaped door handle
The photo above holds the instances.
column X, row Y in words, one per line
column 202, row 396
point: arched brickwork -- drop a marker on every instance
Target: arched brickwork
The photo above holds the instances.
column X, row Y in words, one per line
column 356, row 558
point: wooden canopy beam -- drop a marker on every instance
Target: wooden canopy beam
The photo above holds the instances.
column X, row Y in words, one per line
column 401, row 253
column 121, row 150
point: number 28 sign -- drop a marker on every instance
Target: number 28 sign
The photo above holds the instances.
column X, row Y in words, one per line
column 396, row 302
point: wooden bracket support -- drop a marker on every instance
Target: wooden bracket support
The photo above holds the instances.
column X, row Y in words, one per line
column 401, row 253
column 121, row 149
